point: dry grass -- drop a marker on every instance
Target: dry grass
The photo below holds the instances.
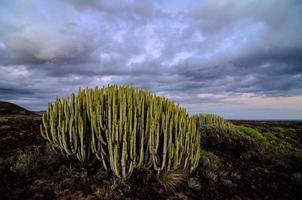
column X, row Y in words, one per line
column 170, row 180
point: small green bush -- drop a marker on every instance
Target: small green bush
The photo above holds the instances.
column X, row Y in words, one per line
column 210, row 120
column 224, row 138
column 25, row 162
column 278, row 147
column 169, row 180
column 253, row 133
column 266, row 147
column 209, row 161
column 209, row 166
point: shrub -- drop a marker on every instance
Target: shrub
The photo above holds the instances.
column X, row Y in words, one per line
column 210, row 120
column 209, row 161
column 209, row 168
column 169, row 180
column 124, row 128
column 253, row 133
column 224, row 138
column 25, row 162
column 266, row 147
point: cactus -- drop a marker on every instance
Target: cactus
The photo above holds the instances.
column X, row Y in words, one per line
column 123, row 128
column 211, row 119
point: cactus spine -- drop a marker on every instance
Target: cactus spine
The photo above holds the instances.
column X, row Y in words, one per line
column 124, row 128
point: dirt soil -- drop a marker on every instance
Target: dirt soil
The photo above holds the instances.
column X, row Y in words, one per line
column 54, row 177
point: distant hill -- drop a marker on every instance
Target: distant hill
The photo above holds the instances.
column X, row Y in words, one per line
column 39, row 112
column 7, row 108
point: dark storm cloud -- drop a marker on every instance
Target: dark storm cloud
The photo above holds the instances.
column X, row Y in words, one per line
column 209, row 52
column 13, row 91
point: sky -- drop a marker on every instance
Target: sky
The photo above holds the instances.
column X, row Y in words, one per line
column 239, row 59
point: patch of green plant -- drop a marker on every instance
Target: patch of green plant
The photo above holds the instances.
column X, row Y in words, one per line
column 25, row 162
column 170, row 179
column 267, row 147
column 209, row 161
column 278, row 129
column 203, row 119
column 125, row 129
column 288, row 135
column 113, row 189
column 253, row 133
column 224, row 138
column 3, row 119
column 209, row 168
column 252, row 144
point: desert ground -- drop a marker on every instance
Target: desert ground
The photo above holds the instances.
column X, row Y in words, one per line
column 257, row 160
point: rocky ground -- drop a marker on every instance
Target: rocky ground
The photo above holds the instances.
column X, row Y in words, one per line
column 234, row 167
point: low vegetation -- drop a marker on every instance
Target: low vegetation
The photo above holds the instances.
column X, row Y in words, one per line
column 25, row 162
column 125, row 129
column 203, row 119
column 124, row 143
column 251, row 143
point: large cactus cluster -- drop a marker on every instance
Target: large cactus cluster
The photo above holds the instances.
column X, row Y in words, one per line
column 210, row 120
column 125, row 129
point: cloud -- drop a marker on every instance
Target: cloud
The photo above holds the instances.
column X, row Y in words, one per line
column 209, row 53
